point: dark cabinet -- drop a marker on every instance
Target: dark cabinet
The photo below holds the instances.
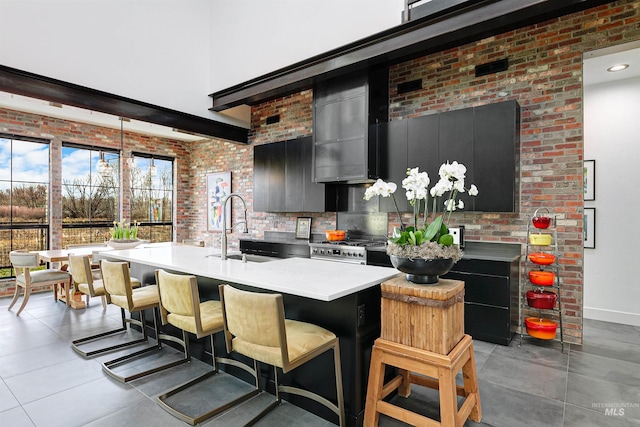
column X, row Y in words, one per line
column 282, row 179
column 484, row 139
column 496, row 138
column 393, row 162
column 490, row 298
column 268, row 171
column 455, row 143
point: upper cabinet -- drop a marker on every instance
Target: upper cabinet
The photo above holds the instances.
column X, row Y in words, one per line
column 485, row 139
column 282, row 179
column 495, row 146
column 343, row 109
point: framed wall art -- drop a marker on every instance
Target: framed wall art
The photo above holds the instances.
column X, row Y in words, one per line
column 218, row 188
column 589, row 180
column 303, row 228
column 589, row 228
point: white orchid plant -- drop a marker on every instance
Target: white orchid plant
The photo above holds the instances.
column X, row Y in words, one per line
column 452, row 176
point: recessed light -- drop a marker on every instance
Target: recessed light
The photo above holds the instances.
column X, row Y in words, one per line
column 618, row 67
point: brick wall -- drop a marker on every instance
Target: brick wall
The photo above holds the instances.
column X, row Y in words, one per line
column 545, row 77
column 210, row 156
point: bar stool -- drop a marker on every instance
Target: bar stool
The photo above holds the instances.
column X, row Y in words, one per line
column 25, row 261
column 180, row 306
column 120, row 292
column 255, row 326
column 84, row 280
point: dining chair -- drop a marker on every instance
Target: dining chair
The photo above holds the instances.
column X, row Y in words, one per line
column 180, row 306
column 26, row 265
column 255, row 326
column 119, row 291
column 83, row 277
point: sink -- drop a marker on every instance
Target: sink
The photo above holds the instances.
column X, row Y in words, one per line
column 252, row 258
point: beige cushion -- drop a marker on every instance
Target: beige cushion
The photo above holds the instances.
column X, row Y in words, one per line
column 302, row 338
column 142, row 298
column 23, row 259
column 44, row 276
column 210, row 315
column 98, row 287
column 175, row 291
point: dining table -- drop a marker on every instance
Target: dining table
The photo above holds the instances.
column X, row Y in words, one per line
column 70, row 297
column 59, row 256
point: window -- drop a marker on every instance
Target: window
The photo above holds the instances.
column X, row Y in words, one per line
column 24, row 197
column 90, row 194
column 152, row 197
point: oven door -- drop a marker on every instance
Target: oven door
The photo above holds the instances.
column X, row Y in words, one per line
column 378, row 257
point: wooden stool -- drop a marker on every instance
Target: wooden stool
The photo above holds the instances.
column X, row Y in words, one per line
column 441, row 371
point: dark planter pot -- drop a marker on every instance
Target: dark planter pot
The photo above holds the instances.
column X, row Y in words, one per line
column 422, row 271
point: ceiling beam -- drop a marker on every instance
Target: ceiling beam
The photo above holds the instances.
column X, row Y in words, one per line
column 454, row 23
column 36, row 86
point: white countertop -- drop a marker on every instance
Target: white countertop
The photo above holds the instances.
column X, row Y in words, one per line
column 311, row 278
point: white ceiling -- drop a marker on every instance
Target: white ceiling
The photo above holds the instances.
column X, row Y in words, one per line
column 596, row 63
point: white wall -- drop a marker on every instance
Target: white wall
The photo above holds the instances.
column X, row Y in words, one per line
column 174, row 53
column 250, row 38
column 612, row 138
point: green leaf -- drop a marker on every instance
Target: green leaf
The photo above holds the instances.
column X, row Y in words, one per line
column 446, row 240
column 433, row 228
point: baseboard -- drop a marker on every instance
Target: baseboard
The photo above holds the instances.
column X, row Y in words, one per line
column 612, row 316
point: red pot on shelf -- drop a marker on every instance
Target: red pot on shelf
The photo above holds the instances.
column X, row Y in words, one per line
column 541, row 299
column 543, row 329
column 542, row 278
column 539, row 220
column 542, row 258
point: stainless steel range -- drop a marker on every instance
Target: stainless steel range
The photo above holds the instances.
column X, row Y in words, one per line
column 352, row 251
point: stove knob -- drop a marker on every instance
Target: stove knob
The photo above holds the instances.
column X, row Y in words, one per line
column 361, row 255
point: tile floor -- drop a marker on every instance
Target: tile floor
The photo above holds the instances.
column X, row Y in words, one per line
column 44, row 383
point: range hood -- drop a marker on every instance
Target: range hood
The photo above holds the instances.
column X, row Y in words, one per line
column 346, row 112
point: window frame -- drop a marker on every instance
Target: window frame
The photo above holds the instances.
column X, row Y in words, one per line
column 12, row 226
column 149, row 223
column 97, row 229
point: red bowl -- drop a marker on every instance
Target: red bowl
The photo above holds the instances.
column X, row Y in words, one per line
column 541, row 221
column 543, row 329
column 542, row 278
column 542, row 258
column 541, row 299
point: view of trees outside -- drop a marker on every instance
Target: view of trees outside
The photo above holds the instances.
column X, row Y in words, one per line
column 24, row 198
column 90, row 196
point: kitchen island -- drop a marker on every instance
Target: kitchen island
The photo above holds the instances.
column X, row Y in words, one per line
column 343, row 298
